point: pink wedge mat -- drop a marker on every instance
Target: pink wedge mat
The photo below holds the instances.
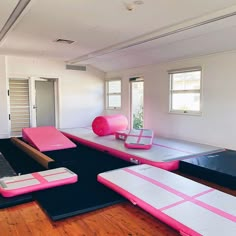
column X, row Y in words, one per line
column 139, row 138
column 190, row 207
column 21, row 184
column 46, row 138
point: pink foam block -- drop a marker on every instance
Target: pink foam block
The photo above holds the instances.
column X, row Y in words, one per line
column 17, row 185
column 139, row 138
column 46, row 138
column 105, row 125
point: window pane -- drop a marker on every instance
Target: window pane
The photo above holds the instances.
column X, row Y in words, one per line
column 114, row 101
column 186, row 101
column 186, row 80
column 114, row 86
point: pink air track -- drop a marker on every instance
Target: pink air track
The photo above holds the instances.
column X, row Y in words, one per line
column 210, row 207
column 17, row 185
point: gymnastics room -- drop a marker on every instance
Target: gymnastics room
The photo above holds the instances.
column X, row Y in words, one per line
column 117, row 117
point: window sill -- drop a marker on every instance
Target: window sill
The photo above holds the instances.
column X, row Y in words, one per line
column 189, row 113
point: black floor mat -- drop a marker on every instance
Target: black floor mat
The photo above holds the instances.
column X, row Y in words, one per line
column 69, row 200
column 6, row 171
column 218, row 168
column 85, row 195
column 81, row 197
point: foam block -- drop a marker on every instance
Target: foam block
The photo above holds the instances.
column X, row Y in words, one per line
column 17, row 185
column 139, row 138
column 105, row 125
column 46, row 138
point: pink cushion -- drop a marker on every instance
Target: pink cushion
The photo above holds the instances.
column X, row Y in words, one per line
column 46, row 138
column 105, row 125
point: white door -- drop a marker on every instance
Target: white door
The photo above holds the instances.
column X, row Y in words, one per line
column 45, row 102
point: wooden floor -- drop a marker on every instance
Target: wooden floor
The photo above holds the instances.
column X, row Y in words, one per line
column 121, row 219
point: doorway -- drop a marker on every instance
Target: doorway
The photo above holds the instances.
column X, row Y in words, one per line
column 33, row 102
column 45, row 102
column 136, row 108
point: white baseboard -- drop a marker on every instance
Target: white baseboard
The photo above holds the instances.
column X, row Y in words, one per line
column 2, row 136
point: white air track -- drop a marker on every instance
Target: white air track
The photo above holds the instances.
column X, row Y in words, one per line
column 164, row 153
column 189, row 207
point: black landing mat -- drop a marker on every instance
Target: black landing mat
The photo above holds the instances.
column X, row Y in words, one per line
column 219, row 168
column 85, row 195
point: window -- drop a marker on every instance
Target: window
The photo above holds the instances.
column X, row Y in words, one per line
column 185, row 91
column 113, row 94
column 136, row 108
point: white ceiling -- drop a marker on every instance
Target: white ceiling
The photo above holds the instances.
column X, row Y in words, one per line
column 104, row 30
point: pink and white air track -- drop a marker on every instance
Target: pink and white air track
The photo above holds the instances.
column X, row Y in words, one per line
column 165, row 153
column 21, row 184
column 191, row 208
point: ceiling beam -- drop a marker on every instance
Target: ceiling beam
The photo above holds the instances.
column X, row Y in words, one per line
column 132, row 43
column 21, row 5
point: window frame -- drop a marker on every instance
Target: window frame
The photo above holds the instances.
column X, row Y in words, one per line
column 185, row 91
column 107, row 94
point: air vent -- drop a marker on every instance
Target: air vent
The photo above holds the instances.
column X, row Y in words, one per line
column 65, row 41
column 74, row 67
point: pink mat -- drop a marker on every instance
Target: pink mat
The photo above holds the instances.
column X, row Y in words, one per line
column 46, row 138
column 139, row 138
column 21, row 184
column 105, row 125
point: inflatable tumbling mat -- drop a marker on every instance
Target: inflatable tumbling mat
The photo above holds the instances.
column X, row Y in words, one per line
column 105, row 125
column 139, row 138
column 46, row 138
column 16, row 185
column 165, row 153
column 189, row 207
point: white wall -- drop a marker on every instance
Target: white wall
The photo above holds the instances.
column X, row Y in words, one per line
column 80, row 93
column 216, row 125
column 3, row 99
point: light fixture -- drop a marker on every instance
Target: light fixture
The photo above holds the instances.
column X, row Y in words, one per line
column 130, row 6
